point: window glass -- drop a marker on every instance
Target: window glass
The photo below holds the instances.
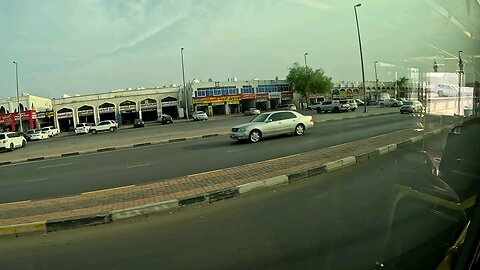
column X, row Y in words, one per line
column 276, row 117
column 288, row 115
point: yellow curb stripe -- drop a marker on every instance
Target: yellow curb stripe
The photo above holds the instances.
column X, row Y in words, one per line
column 23, row 228
column 106, row 190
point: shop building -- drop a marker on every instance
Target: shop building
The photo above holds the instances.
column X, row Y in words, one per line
column 123, row 106
column 233, row 96
column 36, row 112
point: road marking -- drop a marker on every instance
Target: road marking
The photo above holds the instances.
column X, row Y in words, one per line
column 105, row 190
column 357, row 125
column 12, row 203
column 236, row 150
column 36, row 180
column 56, row 165
column 138, row 166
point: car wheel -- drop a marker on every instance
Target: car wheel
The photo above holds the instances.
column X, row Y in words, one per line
column 336, row 109
column 319, row 110
column 12, row 147
column 354, row 109
column 24, row 143
column 382, row 105
column 94, row 131
column 255, row 136
column 395, row 105
column 112, row 129
column 299, row 129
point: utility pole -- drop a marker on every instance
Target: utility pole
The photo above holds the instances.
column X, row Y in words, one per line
column 305, row 56
column 361, row 60
column 18, row 98
column 376, row 81
column 184, row 87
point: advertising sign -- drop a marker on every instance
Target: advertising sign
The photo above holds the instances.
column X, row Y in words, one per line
column 169, row 103
column 261, row 97
column 217, row 99
column 106, row 110
column 248, row 96
column 274, row 95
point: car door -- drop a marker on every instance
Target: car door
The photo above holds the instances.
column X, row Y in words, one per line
column 273, row 125
column 14, row 137
column 289, row 122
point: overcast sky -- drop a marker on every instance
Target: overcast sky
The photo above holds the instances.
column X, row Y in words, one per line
column 78, row 47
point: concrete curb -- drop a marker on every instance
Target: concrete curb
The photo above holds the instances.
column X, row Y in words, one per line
column 210, row 197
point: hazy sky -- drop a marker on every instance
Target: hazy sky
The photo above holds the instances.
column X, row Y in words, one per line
column 88, row 46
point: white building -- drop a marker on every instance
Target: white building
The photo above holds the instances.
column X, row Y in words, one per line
column 123, row 106
column 35, row 112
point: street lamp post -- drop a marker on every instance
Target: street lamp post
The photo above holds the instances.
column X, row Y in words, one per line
column 305, row 57
column 18, row 98
column 361, row 59
column 460, row 75
column 184, row 86
column 376, row 80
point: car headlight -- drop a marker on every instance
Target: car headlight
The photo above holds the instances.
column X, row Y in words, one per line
column 242, row 129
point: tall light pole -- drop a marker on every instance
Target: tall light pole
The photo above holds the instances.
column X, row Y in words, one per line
column 376, row 80
column 305, row 56
column 18, row 98
column 460, row 75
column 361, row 59
column 184, row 86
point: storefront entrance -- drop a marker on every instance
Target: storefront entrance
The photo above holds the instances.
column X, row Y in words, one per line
column 170, row 106
column 65, row 119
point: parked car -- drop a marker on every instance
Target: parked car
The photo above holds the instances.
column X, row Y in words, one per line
column 411, row 106
column 138, row 123
column 252, row 111
column 353, row 104
column 51, row 131
column 271, row 124
column 39, row 135
column 291, row 107
column 82, row 128
column 333, row 106
column 12, row 140
column 199, row 116
column 29, row 133
column 314, row 105
column 165, row 119
column 106, row 125
column 391, row 102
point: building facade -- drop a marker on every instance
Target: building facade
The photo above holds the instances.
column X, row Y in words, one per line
column 123, row 106
column 233, row 96
column 35, row 112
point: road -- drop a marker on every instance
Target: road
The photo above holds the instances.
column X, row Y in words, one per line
column 335, row 221
column 77, row 174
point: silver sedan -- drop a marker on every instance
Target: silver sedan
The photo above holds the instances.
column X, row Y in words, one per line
column 272, row 124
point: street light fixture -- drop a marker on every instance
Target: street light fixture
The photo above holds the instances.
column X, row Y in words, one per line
column 361, row 59
column 184, row 86
column 18, row 98
column 376, row 80
column 305, row 56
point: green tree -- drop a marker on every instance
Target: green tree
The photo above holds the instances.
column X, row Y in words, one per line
column 401, row 84
column 306, row 81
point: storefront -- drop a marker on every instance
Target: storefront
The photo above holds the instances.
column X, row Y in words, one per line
column 248, row 101
column 128, row 112
column 219, row 105
column 106, row 111
column 274, row 98
column 170, row 106
column 287, row 98
column 315, row 98
column 45, row 119
column 65, row 119
column 261, row 101
column 86, row 114
column 10, row 121
column 148, row 107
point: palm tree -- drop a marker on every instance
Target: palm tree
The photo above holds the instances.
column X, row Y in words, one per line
column 401, row 84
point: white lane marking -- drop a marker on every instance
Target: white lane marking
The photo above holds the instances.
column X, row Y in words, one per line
column 56, row 165
column 36, row 180
column 236, row 150
column 138, row 166
column 357, row 125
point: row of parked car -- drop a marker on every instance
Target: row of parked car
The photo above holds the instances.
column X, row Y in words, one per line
column 112, row 125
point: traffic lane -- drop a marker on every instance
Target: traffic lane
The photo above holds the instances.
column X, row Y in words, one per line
column 74, row 175
column 337, row 220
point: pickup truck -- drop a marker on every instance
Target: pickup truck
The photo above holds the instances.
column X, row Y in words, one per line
column 51, row 131
column 334, row 106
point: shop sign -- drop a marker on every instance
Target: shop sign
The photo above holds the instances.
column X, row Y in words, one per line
column 261, row 97
column 64, row 115
column 248, row 96
column 106, row 110
column 287, row 95
column 132, row 107
column 219, row 99
column 148, row 104
column 85, row 112
column 274, row 95
column 26, row 115
column 45, row 114
column 314, row 96
column 169, row 103
column 233, row 102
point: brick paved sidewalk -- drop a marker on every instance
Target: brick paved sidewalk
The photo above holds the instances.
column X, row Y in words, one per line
column 131, row 196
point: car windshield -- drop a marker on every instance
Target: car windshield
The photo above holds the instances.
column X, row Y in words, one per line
column 363, row 153
column 260, row 118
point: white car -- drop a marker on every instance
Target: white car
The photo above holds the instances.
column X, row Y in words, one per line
column 82, row 128
column 199, row 116
column 272, row 124
column 314, row 106
column 391, row 102
column 12, row 140
column 38, row 135
column 51, row 131
column 106, row 125
column 252, row 111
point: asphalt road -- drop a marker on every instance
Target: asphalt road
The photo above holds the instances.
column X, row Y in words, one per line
column 335, row 221
column 73, row 175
